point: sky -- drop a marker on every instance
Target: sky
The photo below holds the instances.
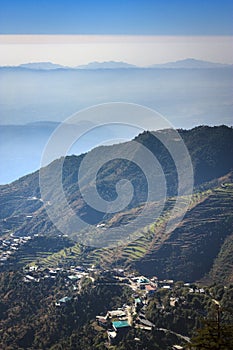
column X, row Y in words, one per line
column 138, row 50
column 139, row 32
column 132, row 17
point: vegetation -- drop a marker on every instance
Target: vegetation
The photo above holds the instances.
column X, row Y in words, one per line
column 213, row 336
column 35, row 322
column 198, row 251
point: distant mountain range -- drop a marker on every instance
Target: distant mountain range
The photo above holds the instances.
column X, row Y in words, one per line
column 42, row 66
column 49, row 92
column 189, row 63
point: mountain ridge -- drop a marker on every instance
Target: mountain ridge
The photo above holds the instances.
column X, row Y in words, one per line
column 188, row 63
column 191, row 63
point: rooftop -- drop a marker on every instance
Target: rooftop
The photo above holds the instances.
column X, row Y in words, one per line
column 138, row 301
column 116, row 313
column 120, row 324
column 142, row 280
column 65, row 299
column 150, row 288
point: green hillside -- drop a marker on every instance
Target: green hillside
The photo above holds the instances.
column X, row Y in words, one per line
column 200, row 244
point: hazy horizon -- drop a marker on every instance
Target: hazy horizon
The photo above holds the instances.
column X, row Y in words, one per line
column 75, row 33
column 73, row 50
column 164, row 62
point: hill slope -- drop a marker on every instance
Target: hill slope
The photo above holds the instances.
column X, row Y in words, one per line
column 202, row 236
column 190, row 251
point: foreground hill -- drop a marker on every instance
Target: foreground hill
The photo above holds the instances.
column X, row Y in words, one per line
column 201, row 242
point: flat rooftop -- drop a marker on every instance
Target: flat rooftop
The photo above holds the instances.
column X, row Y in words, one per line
column 120, row 324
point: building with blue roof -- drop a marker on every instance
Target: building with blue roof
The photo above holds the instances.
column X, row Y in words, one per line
column 117, row 325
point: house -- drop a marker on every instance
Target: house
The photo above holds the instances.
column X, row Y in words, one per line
column 103, row 322
column 33, row 268
column 80, row 268
column 138, row 303
column 52, row 272
column 31, row 279
column 63, row 301
column 166, row 287
column 142, row 282
column 167, row 283
column 119, row 272
column 112, row 337
column 150, row 291
column 154, row 281
column 143, row 321
column 74, row 277
column 186, row 284
column 116, row 313
column 121, row 326
column 174, row 301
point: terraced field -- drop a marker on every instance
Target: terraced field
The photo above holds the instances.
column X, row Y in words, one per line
column 206, row 225
column 152, row 237
column 181, row 254
column 63, row 257
column 38, row 250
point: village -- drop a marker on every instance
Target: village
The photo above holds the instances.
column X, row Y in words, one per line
column 116, row 323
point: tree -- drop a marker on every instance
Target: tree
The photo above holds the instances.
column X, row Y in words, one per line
column 213, row 336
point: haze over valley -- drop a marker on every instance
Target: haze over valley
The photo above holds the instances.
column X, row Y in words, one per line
column 35, row 98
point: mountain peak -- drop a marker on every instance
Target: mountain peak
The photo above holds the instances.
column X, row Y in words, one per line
column 189, row 63
column 41, row 65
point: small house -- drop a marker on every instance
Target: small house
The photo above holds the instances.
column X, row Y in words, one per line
column 150, row 291
column 121, row 326
column 103, row 322
column 63, row 301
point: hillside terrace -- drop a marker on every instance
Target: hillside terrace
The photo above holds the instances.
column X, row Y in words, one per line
column 10, row 245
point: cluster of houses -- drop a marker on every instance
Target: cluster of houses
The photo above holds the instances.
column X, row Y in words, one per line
column 9, row 246
column 116, row 322
column 35, row 273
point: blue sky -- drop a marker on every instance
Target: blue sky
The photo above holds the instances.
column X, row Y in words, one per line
column 145, row 17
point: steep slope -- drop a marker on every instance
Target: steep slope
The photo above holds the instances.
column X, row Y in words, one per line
column 200, row 248
column 187, row 253
column 210, row 149
column 190, row 251
column 222, row 271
